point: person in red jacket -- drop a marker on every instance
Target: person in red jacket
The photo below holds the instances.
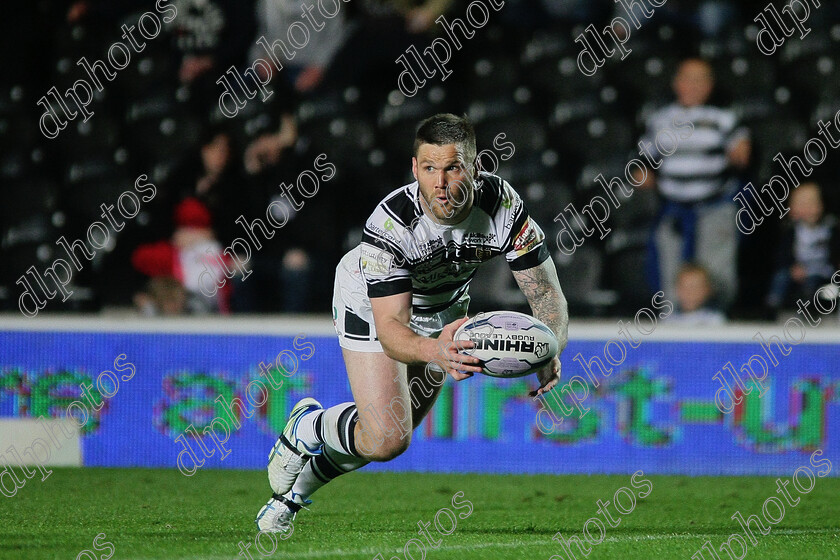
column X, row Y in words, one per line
column 182, row 259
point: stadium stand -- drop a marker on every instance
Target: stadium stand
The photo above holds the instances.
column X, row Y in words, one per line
column 517, row 76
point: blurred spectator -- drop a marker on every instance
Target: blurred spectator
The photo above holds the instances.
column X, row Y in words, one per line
column 418, row 16
column 164, row 295
column 693, row 18
column 267, row 149
column 283, row 270
column 306, row 70
column 192, row 251
column 694, row 296
column 709, row 18
column 696, row 181
column 808, row 251
column 379, row 31
column 238, row 169
column 210, row 36
column 210, row 174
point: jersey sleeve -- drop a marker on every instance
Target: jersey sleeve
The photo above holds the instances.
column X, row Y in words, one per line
column 524, row 245
column 381, row 261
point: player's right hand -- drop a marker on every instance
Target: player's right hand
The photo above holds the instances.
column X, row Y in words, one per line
column 447, row 353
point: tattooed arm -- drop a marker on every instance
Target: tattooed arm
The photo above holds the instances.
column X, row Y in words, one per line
column 548, row 304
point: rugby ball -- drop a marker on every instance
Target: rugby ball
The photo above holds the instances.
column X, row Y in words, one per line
column 509, row 344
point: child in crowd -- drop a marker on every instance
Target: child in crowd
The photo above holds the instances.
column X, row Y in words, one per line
column 192, row 252
column 694, row 294
column 808, row 251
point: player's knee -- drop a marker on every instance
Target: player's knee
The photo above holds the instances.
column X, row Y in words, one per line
column 390, row 448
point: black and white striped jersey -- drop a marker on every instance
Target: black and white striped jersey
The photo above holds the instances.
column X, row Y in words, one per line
column 698, row 139
column 403, row 250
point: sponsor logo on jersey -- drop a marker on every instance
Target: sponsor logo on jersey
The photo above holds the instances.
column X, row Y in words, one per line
column 450, row 271
column 474, row 237
column 426, row 248
column 375, row 261
column 526, row 239
column 513, row 213
column 483, row 253
column 428, row 265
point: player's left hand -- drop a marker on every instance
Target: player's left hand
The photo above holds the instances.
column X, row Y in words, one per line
column 549, row 376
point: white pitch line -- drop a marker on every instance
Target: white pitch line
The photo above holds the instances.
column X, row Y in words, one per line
column 339, row 552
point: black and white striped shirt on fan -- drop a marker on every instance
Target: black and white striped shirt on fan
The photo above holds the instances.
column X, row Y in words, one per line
column 697, row 169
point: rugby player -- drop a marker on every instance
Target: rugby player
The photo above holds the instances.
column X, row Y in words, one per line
column 398, row 299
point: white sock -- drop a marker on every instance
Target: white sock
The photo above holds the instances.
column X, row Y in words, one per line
column 323, row 468
column 333, row 427
column 306, row 429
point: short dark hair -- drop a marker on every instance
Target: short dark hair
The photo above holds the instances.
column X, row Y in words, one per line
column 446, row 128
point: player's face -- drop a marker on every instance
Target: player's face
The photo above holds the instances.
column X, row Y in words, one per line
column 446, row 184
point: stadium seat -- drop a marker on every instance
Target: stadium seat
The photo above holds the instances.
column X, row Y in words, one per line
column 492, row 41
column 17, row 163
column 525, row 167
column 29, row 228
column 19, row 257
column 645, row 79
column 813, row 75
column 95, row 168
column 29, row 197
column 503, row 105
column 608, row 165
column 757, row 107
column 625, row 270
column 557, row 79
column 101, row 133
column 323, row 107
column 147, row 72
column 596, row 137
column 14, row 98
column 345, row 139
column 75, row 41
column 782, row 134
column 490, row 76
column 745, row 77
column 494, row 287
column 580, row 275
column 528, row 134
column 825, row 109
column 580, row 108
column 544, row 199
column 819, row 41
column 152, row 105
column 17, row 130
column 165, row 139
column 399, row 116
column 545, row 44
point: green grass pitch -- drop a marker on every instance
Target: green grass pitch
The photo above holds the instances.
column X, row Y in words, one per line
column 160, row 514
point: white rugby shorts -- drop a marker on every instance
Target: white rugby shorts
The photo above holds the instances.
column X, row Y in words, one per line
column 353, row 316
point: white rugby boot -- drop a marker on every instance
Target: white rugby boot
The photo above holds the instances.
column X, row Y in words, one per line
column 278, row 514
column 289, row 455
